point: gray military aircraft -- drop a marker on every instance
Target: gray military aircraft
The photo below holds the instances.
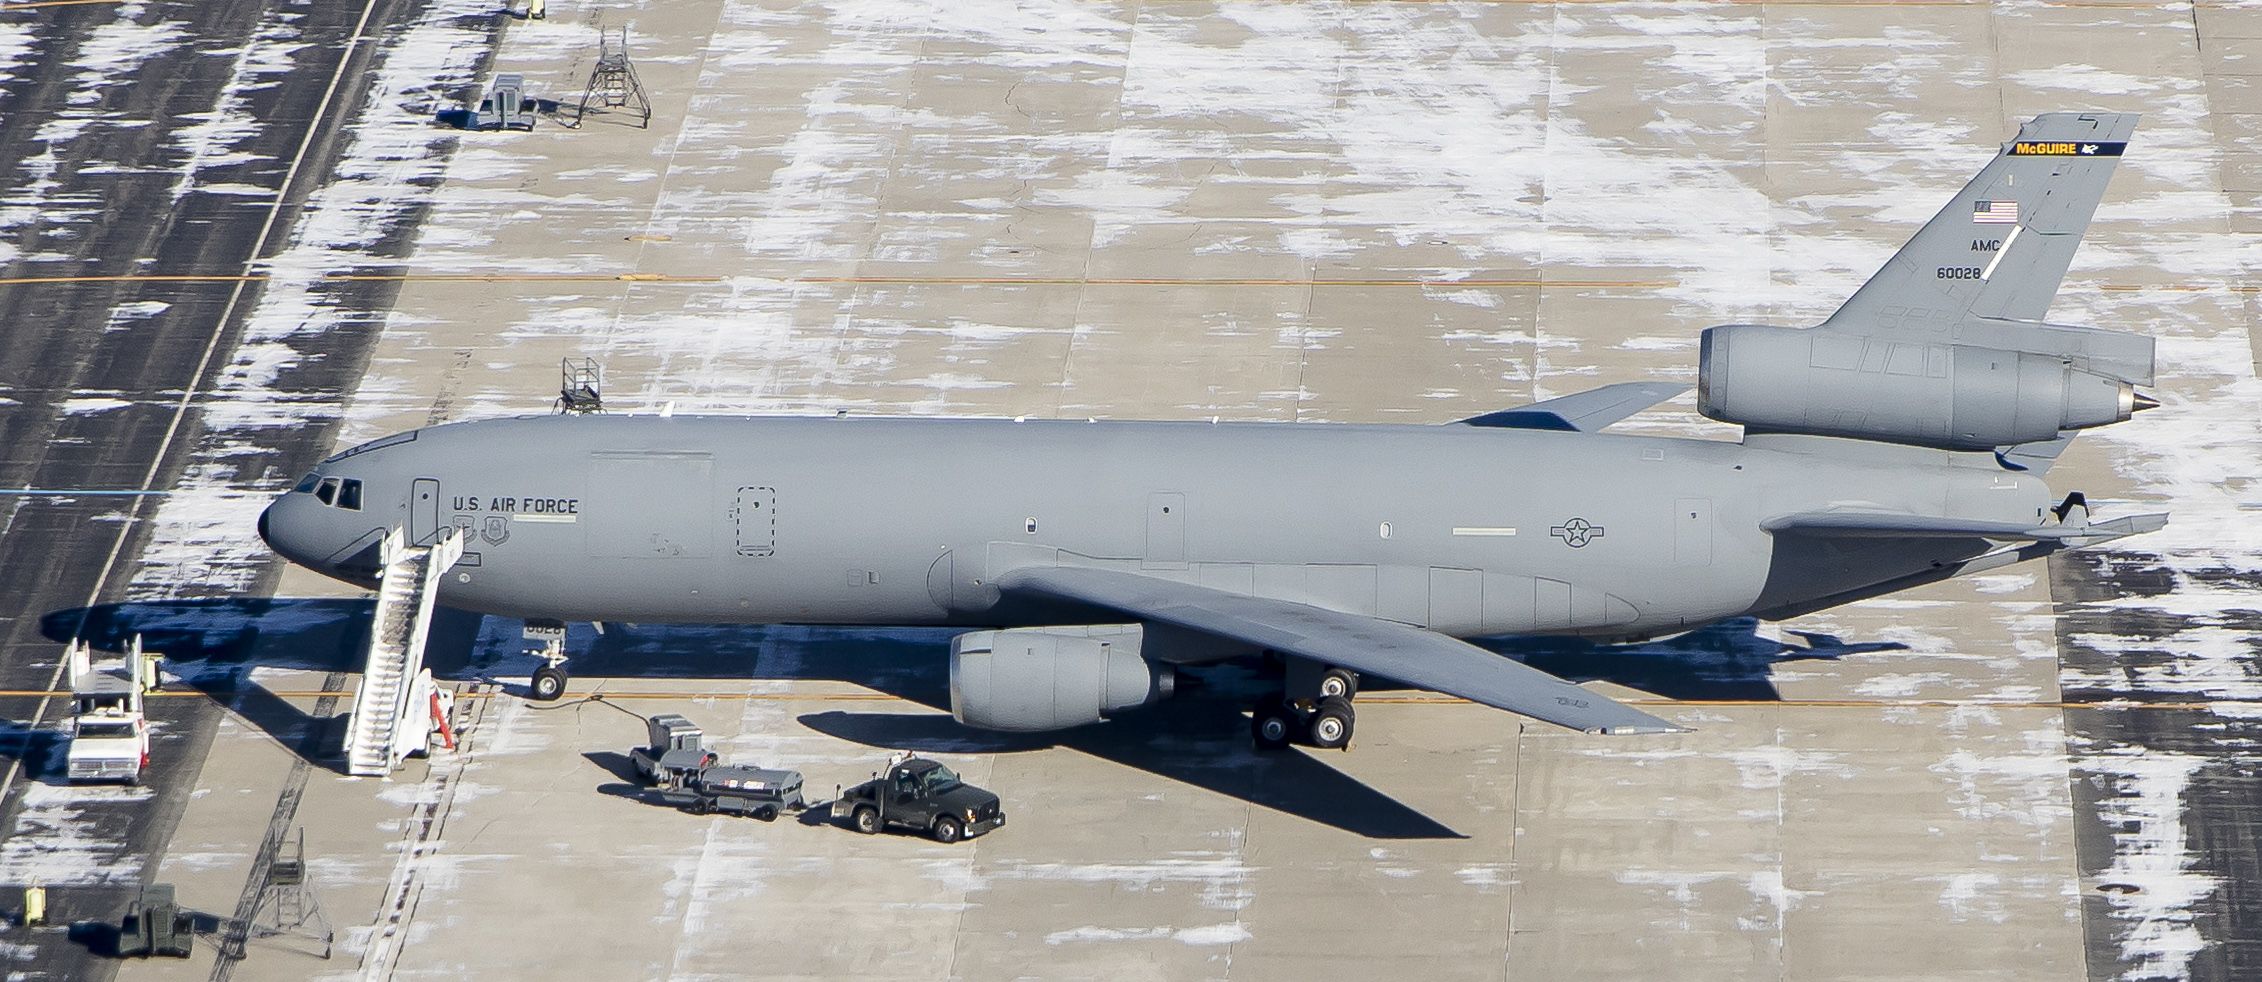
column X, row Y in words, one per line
column 1901, row 442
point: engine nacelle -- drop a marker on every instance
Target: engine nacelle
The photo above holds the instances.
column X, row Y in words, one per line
column 1028, row 680
column 1929, row 394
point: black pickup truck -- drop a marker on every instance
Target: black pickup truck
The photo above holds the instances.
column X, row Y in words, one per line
column 920, row 794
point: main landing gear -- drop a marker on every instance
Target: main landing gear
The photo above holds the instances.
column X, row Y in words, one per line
column 1322, row 718
column 549, row 681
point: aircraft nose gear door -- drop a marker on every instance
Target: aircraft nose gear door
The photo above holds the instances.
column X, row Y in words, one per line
column 424, row 512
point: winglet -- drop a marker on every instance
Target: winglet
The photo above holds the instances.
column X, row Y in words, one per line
column 1586, row 411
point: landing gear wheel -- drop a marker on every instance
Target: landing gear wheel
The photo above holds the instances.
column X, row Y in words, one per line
column 1332, row 724
column 1339, row 683
column 947, row 830
column 549, row 683
column 1273, row 724
column 867, row 820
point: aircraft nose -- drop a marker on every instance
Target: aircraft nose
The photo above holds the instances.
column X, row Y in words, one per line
column 286, row 535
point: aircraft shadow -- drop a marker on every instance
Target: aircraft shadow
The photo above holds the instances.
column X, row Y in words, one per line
column 1727, row 661
column 40, row 751
column 1199, row 738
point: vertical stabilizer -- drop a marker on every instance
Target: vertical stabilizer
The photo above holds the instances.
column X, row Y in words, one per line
column 2001, row 246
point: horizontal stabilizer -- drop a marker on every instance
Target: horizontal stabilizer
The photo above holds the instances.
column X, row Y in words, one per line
column 2035, row 458
column 1588, row 411
column 1368, row 645
column 1892, row 525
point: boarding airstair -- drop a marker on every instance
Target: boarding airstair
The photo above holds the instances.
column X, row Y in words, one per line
column 397, row 706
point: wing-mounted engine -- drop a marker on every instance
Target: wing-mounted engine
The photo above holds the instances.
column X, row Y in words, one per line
column 1028, row 680
column 2000, row 384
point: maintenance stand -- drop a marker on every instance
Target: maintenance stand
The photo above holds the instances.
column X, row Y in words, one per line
column 613, row 84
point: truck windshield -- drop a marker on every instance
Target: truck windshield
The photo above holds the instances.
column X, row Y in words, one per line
column 105, row 731
column 941, row 779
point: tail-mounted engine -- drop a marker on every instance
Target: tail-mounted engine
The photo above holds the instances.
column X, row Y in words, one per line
column 1994, row 385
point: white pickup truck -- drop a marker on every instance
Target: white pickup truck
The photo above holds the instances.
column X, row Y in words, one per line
column 109, row 733
column 108, row 747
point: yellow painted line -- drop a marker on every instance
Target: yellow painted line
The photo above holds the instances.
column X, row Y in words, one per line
column 1700, row 3
column 1524, row 283
column 518, row 278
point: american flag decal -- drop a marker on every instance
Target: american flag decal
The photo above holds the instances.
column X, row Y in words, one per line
column 1995, row 212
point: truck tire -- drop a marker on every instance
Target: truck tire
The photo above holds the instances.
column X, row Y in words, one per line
column 947, row 830
column 766, row 813
column 866, row 820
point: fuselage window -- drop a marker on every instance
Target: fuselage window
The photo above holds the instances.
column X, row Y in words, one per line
column 307, row 483
column 327, row 492
column 349, row 494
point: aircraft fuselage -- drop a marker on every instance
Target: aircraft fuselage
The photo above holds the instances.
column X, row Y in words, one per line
column 1469, row 531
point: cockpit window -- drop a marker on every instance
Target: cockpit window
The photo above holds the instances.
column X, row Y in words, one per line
column 327, row 491
column 307, row 483
column 349, row 495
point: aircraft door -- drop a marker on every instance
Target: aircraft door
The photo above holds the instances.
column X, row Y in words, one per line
column 755, row 517
column 1166, row 530
column 423, row 511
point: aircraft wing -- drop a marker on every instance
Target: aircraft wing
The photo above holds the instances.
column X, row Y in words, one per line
column 1589, row 411
column 1363, row 644
column 1893, row 525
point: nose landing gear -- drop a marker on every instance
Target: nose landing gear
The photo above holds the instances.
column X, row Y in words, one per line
column 549, row 681
column 548, row 684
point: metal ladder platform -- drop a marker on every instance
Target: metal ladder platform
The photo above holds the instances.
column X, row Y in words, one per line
column 390, row 717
